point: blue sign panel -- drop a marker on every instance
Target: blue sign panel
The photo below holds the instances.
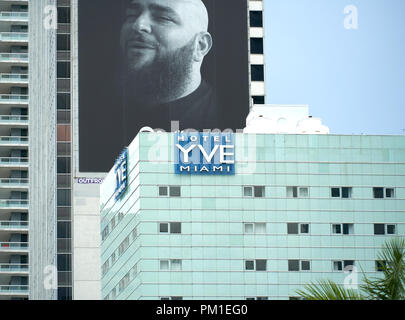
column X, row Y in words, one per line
column 121, row 173
column 204, row 153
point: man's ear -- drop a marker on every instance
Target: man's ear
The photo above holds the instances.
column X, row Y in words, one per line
column 203, row 46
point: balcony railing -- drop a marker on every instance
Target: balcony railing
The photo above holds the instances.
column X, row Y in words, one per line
column 13, row 98
column 14, row 57
column 13, row 140
column 14, row 36
column 14, row 182
column 13, row 267
column 13, row 246
column 14, row 161
column 5, row 225
column 14, row 289
column 12, row 16
column 13, row 119
column 5, row 203
column 13, row 78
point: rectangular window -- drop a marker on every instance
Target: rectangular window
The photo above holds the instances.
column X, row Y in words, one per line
column 164, row 264
column 175, row 191
column 163, row 227
column 390, row 228
column 380, row 265
column 297, row 192
column 259, row 191
column 346, row 192
column 249, row 265
column 389, row 193
column 249, row 228
column 293, row 265
column 63, row 70
column 257, row 72
column 256, row 45
column 305, row 265
column 343, row 192
column 163, row 192
column 379, row 229
column 304, row 228
column 175, row 227
column 292, row 228
column 256, row 19
column 261, row 265
column 378, row 193
column 344, row 228
column 337, row 265
column 248, row 191
column 175, row 265
column 260, row 228
column 335, row 192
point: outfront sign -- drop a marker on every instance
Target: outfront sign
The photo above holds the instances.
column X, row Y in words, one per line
column 204, row 153
column 121, row 174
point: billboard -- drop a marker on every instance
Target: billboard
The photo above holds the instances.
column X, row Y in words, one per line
column 165, row 64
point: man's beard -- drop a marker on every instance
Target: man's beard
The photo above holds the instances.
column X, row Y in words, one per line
column 163, row 80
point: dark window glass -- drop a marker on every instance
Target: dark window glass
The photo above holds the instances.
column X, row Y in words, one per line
column 164, row 227
column 379, row 265
column 335, row 192
column 261, row 265
column 63, row 101
column 305, row 265
column 347, row 263
column 305, row 228
column 346, row 192
column 65, row 278
column 262, row 298
column 63, row 70
column 64, row 213
column 378, row 193
column 292, row 228
column 163, row 191
column 63, row 42
column 379, row 228
column 345, row 228
column 177, row 298
column 64, row 293
column 391, row 229
column 175, row 192
column 175, row 227
column 259, row 192
column 64, row 165
column 64, row 246
column 258, row 99
column 64, row 149
column 63, row 181
column 63, row 197
column 256, row 45
column 256, row 19
column 293, row 265
column 249, row 265
column 337, row 228
column 389, row 193
column 64, row 230
column 63, row 15
column 338, row 265
column 64, row 262
column 257, row 72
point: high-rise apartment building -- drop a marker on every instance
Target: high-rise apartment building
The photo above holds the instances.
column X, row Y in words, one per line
column 14, row 216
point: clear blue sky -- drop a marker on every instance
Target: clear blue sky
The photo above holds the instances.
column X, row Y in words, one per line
column 353, row 79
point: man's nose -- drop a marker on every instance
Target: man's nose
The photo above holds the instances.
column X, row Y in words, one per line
column 142, row 23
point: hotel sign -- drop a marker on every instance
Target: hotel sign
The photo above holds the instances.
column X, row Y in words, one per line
column 121, row 174
column 204, row 153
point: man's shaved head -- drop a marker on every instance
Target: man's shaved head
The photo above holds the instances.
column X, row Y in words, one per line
column 198, row 12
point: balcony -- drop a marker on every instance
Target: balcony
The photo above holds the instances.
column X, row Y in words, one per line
column 14, row 58
column 14, row 78
column 13, row 247
column 13, row 183
column 14, row 290
column 14, row 37
column 14, row 226
column 14, row 268
column 14, row 162
column 13, row 99
column 14, row 120
column 14, row 141
column 13, row 204
column 14, row 16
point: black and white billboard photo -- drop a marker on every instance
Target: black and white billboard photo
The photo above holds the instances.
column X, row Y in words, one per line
column 155, row 62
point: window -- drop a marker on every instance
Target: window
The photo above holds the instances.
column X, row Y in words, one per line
column 163, row 191
column 175, row 265
column 255, row 228
column 113, row 258
column 380, row 265
column 345, row 228
column 256, row 19
column 297, row 192
column 340, row 265
column 258, row 265
column 123, row 246
column 63, row 42
column 256, row 45
column 63, row 198
column 343, row 192
column 63, row 70
column 175, row 192
column 172, row 191
column 105, row 267
column 262, row 298
column 248, row 191
column 297, row 265
column 259, row 192
column 171, row 298
column 296, row 228
column 63, row 101
column 382, row 229
column 257, row 72
column 134, row 233
column 63, row 15
column 123, row 284
column 258, row 99
column 64, row 230
column 172, row 227
column 379, row 193
column 104, row 233
column 256, row 191
column 164, row 264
